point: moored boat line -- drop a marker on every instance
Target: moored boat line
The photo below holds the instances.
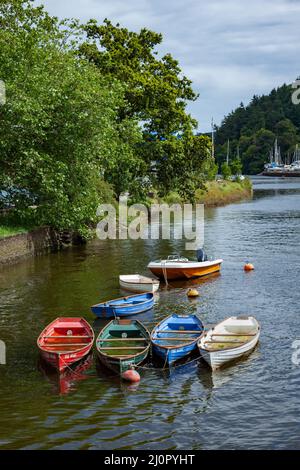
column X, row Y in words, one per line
column 125, row 343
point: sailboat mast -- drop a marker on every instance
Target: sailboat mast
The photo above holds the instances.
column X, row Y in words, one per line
column 212, row 139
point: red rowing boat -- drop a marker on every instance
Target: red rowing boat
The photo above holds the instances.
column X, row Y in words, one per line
column 65, row 341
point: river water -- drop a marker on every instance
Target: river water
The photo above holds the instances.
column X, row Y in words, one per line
column 253, row 404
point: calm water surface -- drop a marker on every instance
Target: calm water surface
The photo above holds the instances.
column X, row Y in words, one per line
column 252, row 404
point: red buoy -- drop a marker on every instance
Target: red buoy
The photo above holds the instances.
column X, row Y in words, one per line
column 131, row 375
column 248, row 267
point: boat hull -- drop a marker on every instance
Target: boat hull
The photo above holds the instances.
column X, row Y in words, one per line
column 119, row 338
column 138, row 287
column 184, row 270
column 280, row 174
column 217, row 359
column 61, row 360
column 229, row 340
column 172, row 355
column 173, row 327
column 114, row 309
column 121, row 365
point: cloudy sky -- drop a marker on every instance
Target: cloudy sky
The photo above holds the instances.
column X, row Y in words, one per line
column 231, row 49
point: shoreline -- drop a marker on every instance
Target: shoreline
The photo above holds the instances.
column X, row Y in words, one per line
column 43, row 240
column 221, row 193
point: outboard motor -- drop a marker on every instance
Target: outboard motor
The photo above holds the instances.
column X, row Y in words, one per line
column 201, row 255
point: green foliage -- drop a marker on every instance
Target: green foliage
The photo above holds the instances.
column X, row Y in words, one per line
column 225, row 171
column 59, row 130
column 89, row 109
column 181, row 164
column 236, row 167
column 155, row 90
column 254, row 129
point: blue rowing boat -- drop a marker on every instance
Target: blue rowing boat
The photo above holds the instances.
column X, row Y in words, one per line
column 176, row 336
column 130, row 305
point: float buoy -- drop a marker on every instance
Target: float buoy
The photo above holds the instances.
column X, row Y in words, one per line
column 248, row 267
column 131, row 375
column 192, row 293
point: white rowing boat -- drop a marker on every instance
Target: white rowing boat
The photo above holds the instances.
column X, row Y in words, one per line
column 229, row 340
column 138, row 283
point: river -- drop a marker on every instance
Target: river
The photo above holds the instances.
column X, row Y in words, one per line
column 253, row 404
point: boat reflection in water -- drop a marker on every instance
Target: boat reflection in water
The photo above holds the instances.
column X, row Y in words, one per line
column 65, row 381
column 113, row 379
column 231, row 371
column 193, row 282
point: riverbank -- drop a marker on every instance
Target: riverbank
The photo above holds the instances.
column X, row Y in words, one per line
column 220, row 193
column 18, row 243
column 217, row 193
column 17, row 247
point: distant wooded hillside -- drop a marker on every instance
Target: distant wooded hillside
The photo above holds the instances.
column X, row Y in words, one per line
column 253, row 129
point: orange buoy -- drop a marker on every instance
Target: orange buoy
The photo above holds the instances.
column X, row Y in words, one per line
column 192, row 293
column 248, row 267
column 131, row 375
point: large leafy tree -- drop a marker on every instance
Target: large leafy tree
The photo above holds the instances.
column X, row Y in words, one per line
column 156, row 92
column 180, row 163
column 59, row 131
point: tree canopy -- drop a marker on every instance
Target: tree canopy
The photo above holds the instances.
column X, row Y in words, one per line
column 90, row 109
column 156, row 92
column 254, row 128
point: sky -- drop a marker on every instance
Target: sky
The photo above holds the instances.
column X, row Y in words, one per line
column 230, row 49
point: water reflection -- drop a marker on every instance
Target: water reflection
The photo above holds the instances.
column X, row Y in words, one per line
column 66, row 381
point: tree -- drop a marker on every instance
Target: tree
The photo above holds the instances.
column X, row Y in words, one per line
column 225, row 171
column 59, row 130
column 155, row 91
column 236, row 167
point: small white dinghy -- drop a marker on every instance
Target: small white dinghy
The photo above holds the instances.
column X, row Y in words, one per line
column 229, row 340
column 138, row 283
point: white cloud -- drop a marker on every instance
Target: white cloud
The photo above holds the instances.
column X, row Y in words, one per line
column 230, row 48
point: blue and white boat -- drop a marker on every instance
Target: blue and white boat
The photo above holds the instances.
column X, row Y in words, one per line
column 176, row 336
column 124, row 306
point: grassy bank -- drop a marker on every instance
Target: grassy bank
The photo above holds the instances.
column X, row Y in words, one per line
column 222, row 192
column 10, row 226
column 6, row 231
column 217, row 193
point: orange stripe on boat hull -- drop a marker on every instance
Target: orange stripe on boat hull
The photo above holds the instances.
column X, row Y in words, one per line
column 185, row 273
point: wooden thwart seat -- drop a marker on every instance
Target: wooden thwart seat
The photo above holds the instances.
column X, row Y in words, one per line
column 52, row 345
column 67, row 336
column 179, row 331
column 123, row 339
column 174, row 339
column 128, row 348
column 225, row 341
column 234, row 334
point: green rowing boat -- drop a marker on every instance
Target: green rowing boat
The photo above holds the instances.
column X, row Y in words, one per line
column 122, row 344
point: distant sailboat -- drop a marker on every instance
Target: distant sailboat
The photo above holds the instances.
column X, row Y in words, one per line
column 295, row 165
column 277, row 168
column 212, row 139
